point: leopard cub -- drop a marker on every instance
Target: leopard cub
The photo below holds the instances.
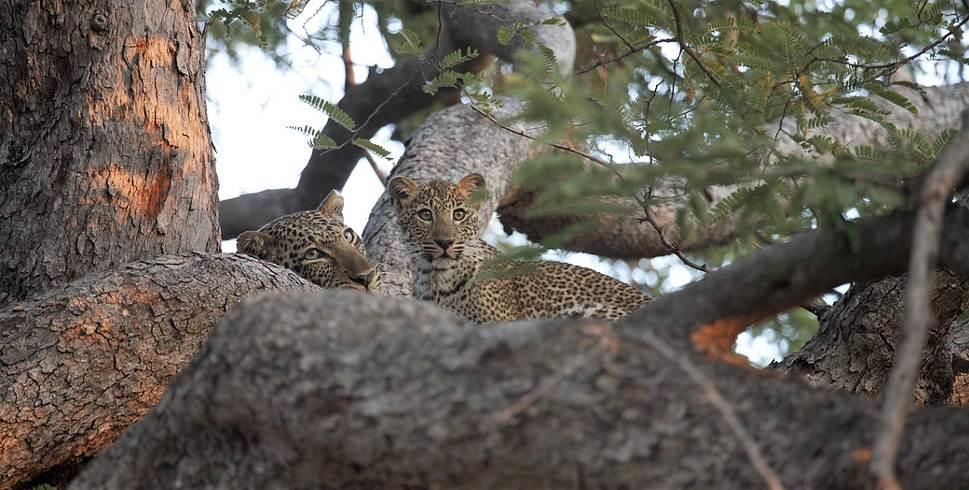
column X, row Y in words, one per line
column 316, row 245
column 442, row 231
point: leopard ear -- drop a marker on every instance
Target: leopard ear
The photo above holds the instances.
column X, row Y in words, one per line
column 332, row 206
column 402, row 189
column 254, row 243
column 471, row 184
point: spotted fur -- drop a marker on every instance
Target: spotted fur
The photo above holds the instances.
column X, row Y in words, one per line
column 442, row 227
column 316, row 245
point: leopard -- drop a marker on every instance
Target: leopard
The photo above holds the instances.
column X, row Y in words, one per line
column 456, row 269
column 316, row 245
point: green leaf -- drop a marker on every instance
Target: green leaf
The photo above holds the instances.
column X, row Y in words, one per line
column 335, row 113
column 548, row 56
column 505, row 34
column 410, row 45
column 893, row 97
column 456, row 58
column 371, row 146
column 322, row 142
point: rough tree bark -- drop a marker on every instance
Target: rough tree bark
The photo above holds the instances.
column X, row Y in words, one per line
column 392, row 96
column 105, row 155
column 84, row 361
column 411, row 398
column 854, row 348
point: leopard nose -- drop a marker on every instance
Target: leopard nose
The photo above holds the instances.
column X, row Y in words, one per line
column 444, row 244
column 364, row 279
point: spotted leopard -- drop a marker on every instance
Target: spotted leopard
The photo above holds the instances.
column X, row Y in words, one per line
column 442, row 231
column 316, row 245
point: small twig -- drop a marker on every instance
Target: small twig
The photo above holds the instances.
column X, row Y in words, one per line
column 376, row 170
column 720, row 404
column 936, row 191
column 648, row 218
column 686, row 47
column 625, row 55
column 606, row 344
column 346, row 11
column 817, row 307
column 898, row 63
column 595, row 6
column 523, row 134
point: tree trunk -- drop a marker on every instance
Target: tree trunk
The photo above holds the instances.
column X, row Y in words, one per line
column 854, row 349
column 105, row 155
column 82, row 362
column 285, row 395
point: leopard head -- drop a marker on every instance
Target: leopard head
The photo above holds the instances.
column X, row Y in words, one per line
column 439, row 218
column 316, row 245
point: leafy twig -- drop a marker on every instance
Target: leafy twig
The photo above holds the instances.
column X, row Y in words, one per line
column 648, row 218
column 686, row 47
column 523, row 134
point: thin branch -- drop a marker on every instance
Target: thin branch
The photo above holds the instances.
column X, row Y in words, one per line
column 523, row 134
column 643, row 202
column 721, row 404
column 817, row 307
column 686, row 47
column 376, row 169
column 607, row 343
column 595, row 5
column 625, row 55
column 952, row 29
column 346, row 20
column 648, row 218
column 936, row 192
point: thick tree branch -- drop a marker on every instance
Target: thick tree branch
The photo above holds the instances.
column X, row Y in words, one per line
column 286, row 394
column 393, row 95
column 83, row 362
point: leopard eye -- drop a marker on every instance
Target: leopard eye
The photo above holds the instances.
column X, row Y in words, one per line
column 313, row 254
column 459, row 214
column 348, row 234
column 425, row 214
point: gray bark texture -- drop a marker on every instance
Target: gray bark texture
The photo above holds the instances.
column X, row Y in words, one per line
column 343, row 390
column 854, row 348
column 395, row 94
column 82, row 362
column 105, row 155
